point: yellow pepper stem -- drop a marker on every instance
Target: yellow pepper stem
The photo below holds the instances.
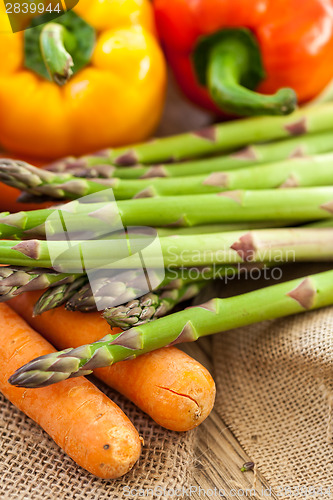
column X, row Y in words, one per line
column 55, row 42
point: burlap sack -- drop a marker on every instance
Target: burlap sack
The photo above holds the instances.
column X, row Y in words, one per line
column 32, row 466
column 275, row 392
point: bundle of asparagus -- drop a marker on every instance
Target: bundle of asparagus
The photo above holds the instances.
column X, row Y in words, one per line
column 224, row 214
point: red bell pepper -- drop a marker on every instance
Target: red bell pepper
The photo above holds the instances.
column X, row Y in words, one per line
column 222, row 51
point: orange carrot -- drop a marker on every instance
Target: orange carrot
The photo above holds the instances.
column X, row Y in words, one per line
column 174, row 389
column 87, row 425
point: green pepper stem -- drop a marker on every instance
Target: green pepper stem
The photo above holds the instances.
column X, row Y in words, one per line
column 228, row 65
column 55, row 39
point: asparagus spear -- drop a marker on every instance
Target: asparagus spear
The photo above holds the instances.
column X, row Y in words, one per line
column 296, row 172
column 16, row 280
column 322, row 223
column 266, row 245
column 215, row 139
column 215, row 316
column 150, row 307
column 256, row 154
column 231, row 206
column 220, row 228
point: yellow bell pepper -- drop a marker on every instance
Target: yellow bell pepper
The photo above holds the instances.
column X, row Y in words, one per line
column 114, row 99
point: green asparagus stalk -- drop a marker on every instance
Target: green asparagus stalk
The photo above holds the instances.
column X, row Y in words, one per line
column 299, row 204
column 150, row 307
column 323, row 223
column 224, row 137
column 220, row 228
column 217, row 315
column 16, row 280
column 138, row 232
column 266, row 245
column 256, row 154
column 58, row 295
column 296, row 172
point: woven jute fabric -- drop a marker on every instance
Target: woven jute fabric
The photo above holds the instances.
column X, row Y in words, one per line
column 275, row 392
column 33, row 467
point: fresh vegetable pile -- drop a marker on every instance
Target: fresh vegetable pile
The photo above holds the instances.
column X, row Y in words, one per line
column 218, row 212
column 292, row 190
